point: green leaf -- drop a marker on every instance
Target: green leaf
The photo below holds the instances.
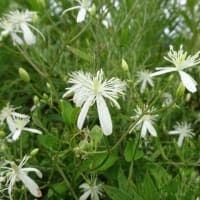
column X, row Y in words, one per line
column 66, row 111
column 149, row 189
column 48, row 141
column 117, row 194
column 81, row 54
column 59, row 188
column 96, row 134
column 129, row 151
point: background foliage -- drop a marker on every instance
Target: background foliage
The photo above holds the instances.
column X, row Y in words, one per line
column 141, row 33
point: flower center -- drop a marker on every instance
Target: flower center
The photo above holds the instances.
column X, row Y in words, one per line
column 96, row 86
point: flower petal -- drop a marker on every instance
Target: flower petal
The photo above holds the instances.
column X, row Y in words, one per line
column 104, row 116
column 180, row 140
column 85, row 195
column 81, row 15
column 27, row 33
column 31, row 169
column 30, row 184
column 163, row 71
column 144, row 130
column 188, row 81
column 33, row 130
column 16, row 134
column 84, row 111
column 150, row 128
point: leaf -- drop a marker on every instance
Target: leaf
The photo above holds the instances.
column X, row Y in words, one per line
column 66, row 111
column 48, row 141
column 59, row 188
column 149, row 190
column 96, row 134
column 117, row 194
column 81, row 54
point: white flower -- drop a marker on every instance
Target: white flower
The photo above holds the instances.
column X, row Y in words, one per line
column 17, row 125
column 181, row 62
column 91, row 189
column 145, row 123
column 15, row 23
column 16, row 173
column 145, row 78
column 84, row 6
column 89, row 89
column 183, row 130
column 6, row 113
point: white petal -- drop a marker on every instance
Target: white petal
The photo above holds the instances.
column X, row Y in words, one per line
column 144, row 130
column 33, row 130
column 188, row 81
column 16, row 39
column 150, row 128
column 27, row 33
column 84, row 111
column 16, row 134
column 85, row 195
column 143, row 86
column 10, row 186
column 173, row 132
column 81, row 15
column 72, row 8
column 31, row 169
column 104, row 116
column 30, row 184
column 180, row 140
column 163, row 71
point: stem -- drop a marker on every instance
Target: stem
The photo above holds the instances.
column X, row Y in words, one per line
column 31, row 62
column 66, row 181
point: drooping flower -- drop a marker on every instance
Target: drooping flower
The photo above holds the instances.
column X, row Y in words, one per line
column 145, row 78
column 91, row 190
column 16, row 23
column 16, row 173
column 181, row 61
column 89, row 89
column 183, row 129
column 145, row 122
column 17, row 125
column 84, row 6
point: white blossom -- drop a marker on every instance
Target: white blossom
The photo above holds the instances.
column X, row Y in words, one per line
column 89, row 89
column 145, row 122
column 17, row 125
column 183, row 129
column 84, row 6
column 18, row 173
column 145, row 78
column 17, row 23
column 91, row 190
column 181, row 61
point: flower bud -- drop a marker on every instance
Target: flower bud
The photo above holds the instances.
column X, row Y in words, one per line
column 48, row 86
column 188, row 97
column 180, row 90
column 45, row 96
column 41, row 3
column 24, row 75
column 124, row 65
column 34, row 152
column 36, row 100
column 2, row 134
column 93, row 10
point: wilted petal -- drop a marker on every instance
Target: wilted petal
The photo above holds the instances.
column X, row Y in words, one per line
column 104, row 116
column 188, row 81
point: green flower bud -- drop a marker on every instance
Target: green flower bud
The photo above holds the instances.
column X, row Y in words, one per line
column 2, row 134
column 180, row 91
column 36, row 100
column 34, row 152
column 124, row 65
column 42, row 3
column 48, row 86
column 188, row 97
column 24, row 75
column 45, row 96
column 93, row 10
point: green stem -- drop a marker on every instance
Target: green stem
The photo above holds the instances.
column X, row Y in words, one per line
column 66, row 181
